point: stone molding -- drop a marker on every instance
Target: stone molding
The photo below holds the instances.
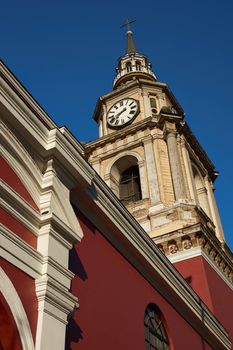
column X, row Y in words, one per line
column 189, row 239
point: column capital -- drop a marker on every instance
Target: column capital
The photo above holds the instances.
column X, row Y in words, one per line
column 147, row 139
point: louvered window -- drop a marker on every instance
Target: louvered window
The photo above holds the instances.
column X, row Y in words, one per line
column 130, row 189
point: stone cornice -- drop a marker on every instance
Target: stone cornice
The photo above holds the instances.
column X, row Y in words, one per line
column 137, row 83
column 25, row 96
column 193, row 236
column 150, row 122
column 184, row 129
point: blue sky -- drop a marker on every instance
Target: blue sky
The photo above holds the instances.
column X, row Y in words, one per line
column 65, row 52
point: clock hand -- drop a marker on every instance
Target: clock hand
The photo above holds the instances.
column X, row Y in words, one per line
column 123, row 110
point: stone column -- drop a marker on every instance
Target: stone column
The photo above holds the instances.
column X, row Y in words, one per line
column 151, row 171
column 104, row 124
column 189, row 172
column 175, row 164
column 146, row 104
column 101, row 128
column 143, row 180
column 214, row 210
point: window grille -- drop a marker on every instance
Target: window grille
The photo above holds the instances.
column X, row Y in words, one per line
column 155, row 334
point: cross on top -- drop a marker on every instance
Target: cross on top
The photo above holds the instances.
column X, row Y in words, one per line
column 127, row 23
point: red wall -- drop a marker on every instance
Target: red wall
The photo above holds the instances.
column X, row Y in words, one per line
column 8, row 175
column 18, row 228
column 211, row 288
column 9, row 335
column 25, row 287
column 113, row 297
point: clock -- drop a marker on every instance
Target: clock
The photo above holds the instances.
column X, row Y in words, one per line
column 122, row 112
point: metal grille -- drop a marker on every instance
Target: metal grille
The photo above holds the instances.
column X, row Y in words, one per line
column 155, row 334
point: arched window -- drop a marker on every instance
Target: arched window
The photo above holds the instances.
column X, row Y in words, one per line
column 153, row 105
column 128, row 67
column 130, row 190
column 138, row 65
column 155, row 334
column 125, row 179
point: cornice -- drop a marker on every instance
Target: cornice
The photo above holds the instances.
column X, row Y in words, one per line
column 185, row 241
column 19, row 253
column 136, row 83
column 149, row 122
column 12, row 202
column 25, row 96
column 54, row 299
column 184, row 129
column 195, row 252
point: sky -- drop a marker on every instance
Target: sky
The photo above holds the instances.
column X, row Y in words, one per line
column 65, row 54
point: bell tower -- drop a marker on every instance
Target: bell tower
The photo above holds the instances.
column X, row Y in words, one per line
column 149, row 157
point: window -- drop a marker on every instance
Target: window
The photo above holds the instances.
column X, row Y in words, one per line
column 128, row 67
column 153, row 105
column 138, row 65
column 155, row 334
column 130, row 190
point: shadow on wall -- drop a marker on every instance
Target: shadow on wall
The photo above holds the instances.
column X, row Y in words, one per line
column 73, row 333
column 76, row 266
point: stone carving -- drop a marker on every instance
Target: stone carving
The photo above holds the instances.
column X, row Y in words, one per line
column 172, row 247
column 186, row 243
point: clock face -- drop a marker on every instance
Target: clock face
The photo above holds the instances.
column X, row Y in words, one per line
column 122, row 112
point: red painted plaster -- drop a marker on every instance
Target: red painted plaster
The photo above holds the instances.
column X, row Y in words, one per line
column 18, row 228
column 10, row 177
column 211, row 288
column 9, row 335
column 25, row 287
column 113, row 296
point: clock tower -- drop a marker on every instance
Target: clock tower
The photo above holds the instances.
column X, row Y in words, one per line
column 149, row 157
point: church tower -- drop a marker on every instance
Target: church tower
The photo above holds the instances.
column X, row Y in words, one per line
column 151, row 160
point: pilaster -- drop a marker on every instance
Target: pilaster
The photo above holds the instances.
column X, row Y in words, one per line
column 175, row 164
column 151, row 171
column 189, row 172
column 214, row 210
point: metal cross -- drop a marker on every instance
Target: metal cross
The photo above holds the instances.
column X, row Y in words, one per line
column 127, row 23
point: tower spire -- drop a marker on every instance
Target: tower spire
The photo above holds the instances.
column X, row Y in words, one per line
column 132, row 65
column 130, row 45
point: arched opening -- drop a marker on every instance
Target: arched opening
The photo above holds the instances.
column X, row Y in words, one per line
column 128, row 67
column 200, row 190
column 15, row 331
column 155, row 334
column 125, row 179
column 153, row 105
column 130, row 190
column 138, row 66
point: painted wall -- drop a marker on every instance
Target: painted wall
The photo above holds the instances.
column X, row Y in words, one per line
column 9, row 335
column 25, row 287
column 9, row 176
column 113, row 297
column 212, row 289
